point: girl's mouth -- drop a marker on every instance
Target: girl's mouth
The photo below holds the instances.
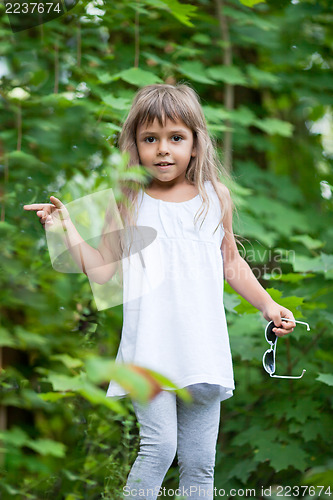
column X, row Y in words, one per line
column 163, row 166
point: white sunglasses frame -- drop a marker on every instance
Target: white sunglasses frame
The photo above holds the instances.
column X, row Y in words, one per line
column 273, row 349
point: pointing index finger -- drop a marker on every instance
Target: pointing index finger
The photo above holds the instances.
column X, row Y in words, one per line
column 37, row 206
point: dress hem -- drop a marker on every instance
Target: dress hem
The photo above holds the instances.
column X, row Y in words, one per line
column 227, row 387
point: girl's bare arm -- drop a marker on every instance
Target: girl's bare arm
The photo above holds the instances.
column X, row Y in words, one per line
column 98, row 264
column 240, row 277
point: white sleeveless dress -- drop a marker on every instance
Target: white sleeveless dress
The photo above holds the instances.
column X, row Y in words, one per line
column 179, row 328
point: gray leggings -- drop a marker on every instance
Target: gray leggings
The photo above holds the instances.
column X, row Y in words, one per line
column 168, row 425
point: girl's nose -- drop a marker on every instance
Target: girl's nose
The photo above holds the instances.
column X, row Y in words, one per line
column 163, row 147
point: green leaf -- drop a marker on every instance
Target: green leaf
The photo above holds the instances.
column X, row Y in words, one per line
column 71, row 477
column 106, row 77
column 260, row 77
column 283, row 219
column 245, row 307
column 62, row 100
column 247, row 18
column 231, row 300
column 5, row 227
column 328, row 264
column 307, row 241
column 250, row 226
column 154, row 57
column 246, row 336
column 139, row 77
column 30, row 340
column 320, row 264
column 67, row 360
column 166, row 382
column 274, row 126
column 196, row 71
column 38, row 77
column 97, row 396
column 243, row 470
column 62, row 382
column 302, row 410
column 281, row 457
column 311, row 429
column 291, row 302
column 47, row 447
column 14, row 437
column 326, row 378
column 19, row 158
column 6, row 339
column 302, row 263
column 117, row 102
column 100, row 369
column 251, row 3
column 328, row 316
column 243, row 115
column 215, row 114
column 321, row 475
column 137, row 174
column 12, row 491
column 81, row 384
column 288, row 277
column 202, row 38
column 180, row 11
column 53, row 397
column 254, row 436
column 227, row 74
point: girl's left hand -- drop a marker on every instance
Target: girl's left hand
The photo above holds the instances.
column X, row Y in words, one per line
column 274, row 312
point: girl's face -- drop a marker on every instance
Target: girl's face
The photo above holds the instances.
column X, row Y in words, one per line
column 172, row 144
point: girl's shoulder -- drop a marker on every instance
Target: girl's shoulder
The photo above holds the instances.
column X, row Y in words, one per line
column 223, row 198
column 223, row 190
column 224, row 195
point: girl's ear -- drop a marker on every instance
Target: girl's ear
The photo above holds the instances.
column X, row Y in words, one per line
column 194, row 147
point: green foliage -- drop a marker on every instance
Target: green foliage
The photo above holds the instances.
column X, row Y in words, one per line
column 65, row 88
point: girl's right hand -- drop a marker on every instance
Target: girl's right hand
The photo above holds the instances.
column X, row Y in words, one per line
column 50, row 214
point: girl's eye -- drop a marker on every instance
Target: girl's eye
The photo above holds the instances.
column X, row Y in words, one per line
column 178, row 137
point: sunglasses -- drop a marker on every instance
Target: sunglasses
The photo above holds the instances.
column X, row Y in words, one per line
column 268, row 359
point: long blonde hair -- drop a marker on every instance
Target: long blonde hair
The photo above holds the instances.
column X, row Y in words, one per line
column 180, row 101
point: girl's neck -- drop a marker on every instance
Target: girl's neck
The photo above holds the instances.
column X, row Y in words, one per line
column 176, row 193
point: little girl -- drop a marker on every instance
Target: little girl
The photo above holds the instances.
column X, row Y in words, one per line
column 178, row 329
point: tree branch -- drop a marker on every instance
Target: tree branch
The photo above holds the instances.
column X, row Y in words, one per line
column 56, row 68
column 19, row 128
column 137, row 37
column 78, row 52
column 229, row 89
